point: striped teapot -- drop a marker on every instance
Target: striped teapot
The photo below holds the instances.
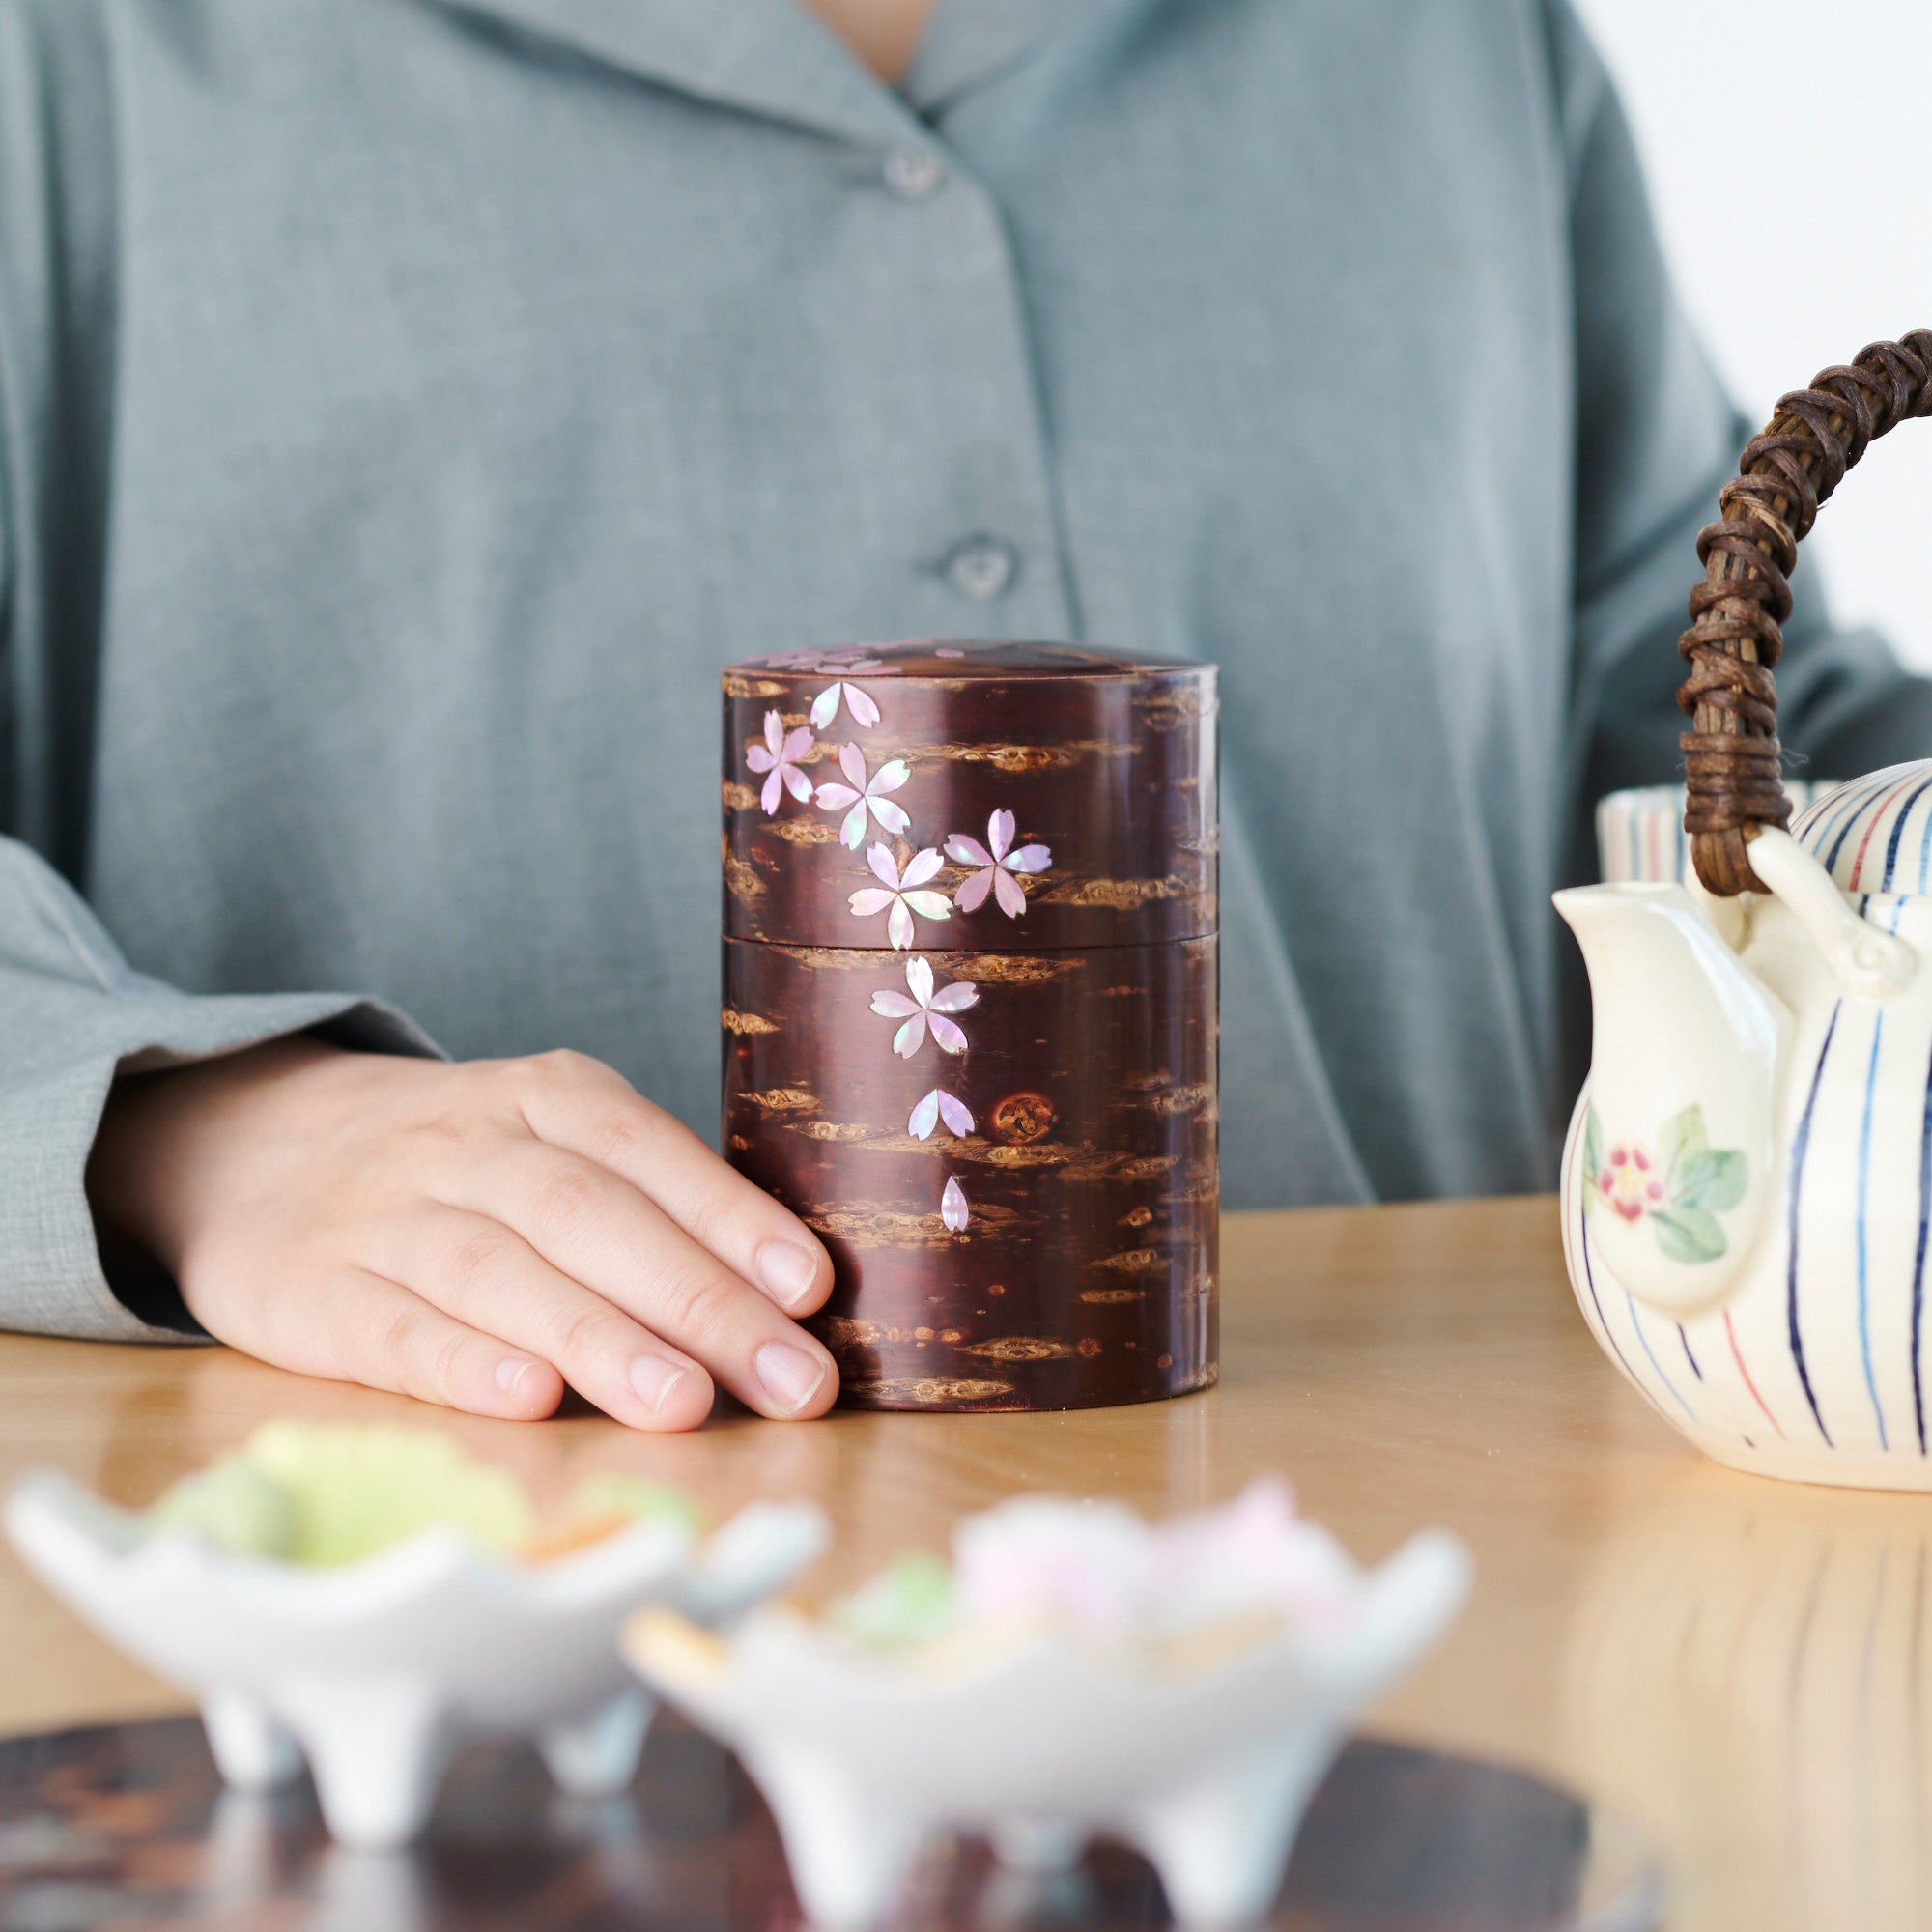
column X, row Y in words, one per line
column 1746, row 1184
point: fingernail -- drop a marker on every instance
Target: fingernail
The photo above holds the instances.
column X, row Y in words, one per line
column 786, row 1272
column 791, row 1377
column 653, row 1378
column 511, row 1370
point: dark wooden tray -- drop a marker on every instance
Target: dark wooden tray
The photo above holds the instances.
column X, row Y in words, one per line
column 128, row 1826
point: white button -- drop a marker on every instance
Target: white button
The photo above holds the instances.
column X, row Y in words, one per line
column 982, row 568
column 912, row 174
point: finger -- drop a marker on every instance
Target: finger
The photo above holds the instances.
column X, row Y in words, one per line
column 600, row 1231
column 474, row 1267
column 381, row 1335
column 589, row 1109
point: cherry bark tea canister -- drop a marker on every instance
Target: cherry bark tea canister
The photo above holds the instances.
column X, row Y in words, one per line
column 970, row 1011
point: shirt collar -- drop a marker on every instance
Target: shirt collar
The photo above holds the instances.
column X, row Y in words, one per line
column 970, row 41
column 766, row 57
column 774, row 58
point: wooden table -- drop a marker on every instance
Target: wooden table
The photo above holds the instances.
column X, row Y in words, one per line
column 1735, row 1664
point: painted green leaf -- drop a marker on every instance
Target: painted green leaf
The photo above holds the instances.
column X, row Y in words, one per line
column 1593, row 1146
column 1714, row 1180
column 1687, row 1234
column 1681, row 1138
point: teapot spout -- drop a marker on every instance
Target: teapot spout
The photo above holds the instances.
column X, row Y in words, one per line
column 1677, row 1153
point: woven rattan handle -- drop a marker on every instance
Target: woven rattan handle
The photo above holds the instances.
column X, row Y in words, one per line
column 1731, row 755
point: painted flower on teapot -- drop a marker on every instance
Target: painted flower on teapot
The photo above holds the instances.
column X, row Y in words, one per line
column 1683, row 1186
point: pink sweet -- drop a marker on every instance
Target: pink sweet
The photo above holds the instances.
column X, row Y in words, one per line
column 1099, row 1567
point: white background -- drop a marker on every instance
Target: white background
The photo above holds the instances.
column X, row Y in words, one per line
column 1789, row 147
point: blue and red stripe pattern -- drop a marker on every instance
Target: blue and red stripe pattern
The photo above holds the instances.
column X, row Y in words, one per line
column 1875, row 834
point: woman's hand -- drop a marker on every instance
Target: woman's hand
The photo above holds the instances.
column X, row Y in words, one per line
column 474, row 1234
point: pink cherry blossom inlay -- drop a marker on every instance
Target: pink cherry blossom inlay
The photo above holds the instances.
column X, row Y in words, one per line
column 938, row 1106
column 825, row 706
column 847, row 658
column 926, row 1007
column 952, row 1206
column 778, row 756
column 899, row 892
column 997, row 867
column 865, row 795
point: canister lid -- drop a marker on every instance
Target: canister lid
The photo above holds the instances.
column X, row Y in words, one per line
column 937, row 794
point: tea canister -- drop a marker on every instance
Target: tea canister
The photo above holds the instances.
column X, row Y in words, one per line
column 970, row 1011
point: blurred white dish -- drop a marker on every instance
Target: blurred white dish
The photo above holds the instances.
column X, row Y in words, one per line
column 375, row 1672
column 1200, row 1746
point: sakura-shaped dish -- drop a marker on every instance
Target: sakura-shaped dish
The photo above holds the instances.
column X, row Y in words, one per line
column 367, row 1599
column 1073, row 1673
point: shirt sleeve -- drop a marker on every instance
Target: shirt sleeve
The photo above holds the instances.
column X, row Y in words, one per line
column 1657, row 438
column 73, row 1015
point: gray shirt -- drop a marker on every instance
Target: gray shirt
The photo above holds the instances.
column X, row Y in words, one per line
column 406, row 406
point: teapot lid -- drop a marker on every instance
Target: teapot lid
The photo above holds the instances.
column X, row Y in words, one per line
column 1874, row 833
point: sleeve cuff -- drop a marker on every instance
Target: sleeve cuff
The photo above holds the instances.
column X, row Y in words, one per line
column 53, row 1280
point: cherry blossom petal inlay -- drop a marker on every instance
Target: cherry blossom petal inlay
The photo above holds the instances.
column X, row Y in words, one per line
column 995, row 869
column 896, row 896
column 938, row 1106
column 865, row 795
column 779, row 756
column 825, row 706
column 926, row 1008
column 952, row 1207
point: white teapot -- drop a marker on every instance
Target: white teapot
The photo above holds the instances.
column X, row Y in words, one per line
column 1747, row 1181
column 1746, row 1184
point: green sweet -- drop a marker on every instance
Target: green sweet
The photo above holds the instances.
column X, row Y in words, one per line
column 358, row 1490
column 912, row 1602
column 323, row 1494
column 612, row 1493
column 235, row 1505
